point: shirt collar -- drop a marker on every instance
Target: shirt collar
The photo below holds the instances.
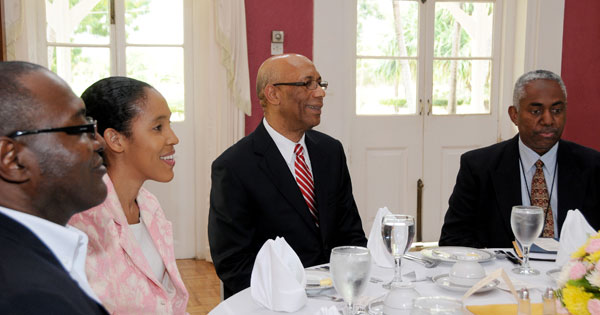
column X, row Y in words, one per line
column 63, row 241
column 529, row 157
column 285, row 145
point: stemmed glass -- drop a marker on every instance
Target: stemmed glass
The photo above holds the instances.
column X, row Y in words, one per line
column 398, row 232
column 350, row 269
column 527, row 223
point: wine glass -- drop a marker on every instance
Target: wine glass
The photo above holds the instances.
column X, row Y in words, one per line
column 398, row 232
column 526, row 223
column 350, row 268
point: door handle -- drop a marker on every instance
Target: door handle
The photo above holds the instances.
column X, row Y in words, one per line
column 420, row 107
column 428, row 107
column 420, row 186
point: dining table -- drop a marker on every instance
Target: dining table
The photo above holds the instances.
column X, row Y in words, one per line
column 422, row 277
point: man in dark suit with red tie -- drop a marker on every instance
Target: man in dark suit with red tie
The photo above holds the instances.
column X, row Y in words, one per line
column 50, row 169
column 535, row 167
column 284, row 179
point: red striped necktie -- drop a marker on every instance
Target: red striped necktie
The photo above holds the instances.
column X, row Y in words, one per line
column 305, row 182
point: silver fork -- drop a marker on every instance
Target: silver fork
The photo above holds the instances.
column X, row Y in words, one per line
column 428, row 263
column 332, row 298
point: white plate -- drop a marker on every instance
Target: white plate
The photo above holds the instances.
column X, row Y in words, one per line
column 444, row 282
column 313, row 279
column 454, row 253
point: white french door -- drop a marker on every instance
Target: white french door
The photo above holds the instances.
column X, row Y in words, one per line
column 403, row 148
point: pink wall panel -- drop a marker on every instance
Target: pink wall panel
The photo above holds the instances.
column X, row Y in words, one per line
column 295, row 18
column 581, row 71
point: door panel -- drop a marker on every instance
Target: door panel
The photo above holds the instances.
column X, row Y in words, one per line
column 386, row 164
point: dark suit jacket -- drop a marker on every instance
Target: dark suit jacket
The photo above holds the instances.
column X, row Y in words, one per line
column 489, row 184
column 32, row 280
column 254, row 197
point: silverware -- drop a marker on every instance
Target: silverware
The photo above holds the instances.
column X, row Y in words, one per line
column 428, row 263
column 535, row 258
column 375, row 280
column 508, row 255
column 332, row 298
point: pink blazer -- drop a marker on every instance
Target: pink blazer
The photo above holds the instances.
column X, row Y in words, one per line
column 116, row 267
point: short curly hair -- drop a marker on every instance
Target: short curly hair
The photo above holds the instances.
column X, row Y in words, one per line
column 519, row 90
column 17, row 102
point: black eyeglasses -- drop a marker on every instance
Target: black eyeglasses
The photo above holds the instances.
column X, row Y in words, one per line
column 91, row 127
column 311, row 85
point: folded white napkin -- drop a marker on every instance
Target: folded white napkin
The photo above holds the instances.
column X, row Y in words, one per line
column 332, row 310
column 379, row 253
column 574, row 233
column 278, row 281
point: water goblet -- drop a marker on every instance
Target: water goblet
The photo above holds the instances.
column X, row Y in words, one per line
column 350, row 268
column 398, row 232
column 526, row 223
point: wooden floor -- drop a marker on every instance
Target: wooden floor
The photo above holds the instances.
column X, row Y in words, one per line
column 202, row 283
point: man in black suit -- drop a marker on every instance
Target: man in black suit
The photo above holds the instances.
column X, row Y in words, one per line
column 255, row 195
column 50, row 169
column 492, row 180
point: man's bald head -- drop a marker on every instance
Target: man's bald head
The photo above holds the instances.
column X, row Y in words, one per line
column 272, row 69
column 17, row 102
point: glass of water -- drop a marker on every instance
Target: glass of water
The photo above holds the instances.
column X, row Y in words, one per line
column 526, row 223
column 398, row 232
column 350, row 268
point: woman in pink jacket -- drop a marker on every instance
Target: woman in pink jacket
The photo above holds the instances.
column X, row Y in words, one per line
column 131, row 263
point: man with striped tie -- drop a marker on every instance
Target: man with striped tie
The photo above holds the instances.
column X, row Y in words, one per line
column 284, row 179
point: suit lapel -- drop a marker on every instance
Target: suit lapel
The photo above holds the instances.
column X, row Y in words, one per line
column 129, row 245
column 17, row 232
column 507, row 181
column 569, row 184
column 273, row 165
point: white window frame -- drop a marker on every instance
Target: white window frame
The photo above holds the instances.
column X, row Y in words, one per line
column 531, row 38
column 117, row 44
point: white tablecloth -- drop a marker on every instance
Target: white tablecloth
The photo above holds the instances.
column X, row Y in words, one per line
column 242, row 302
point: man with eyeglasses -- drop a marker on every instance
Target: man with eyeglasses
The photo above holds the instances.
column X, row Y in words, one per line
column 284, row 179
column 50, row 169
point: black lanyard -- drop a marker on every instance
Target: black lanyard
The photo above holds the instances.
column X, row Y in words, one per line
column 551, row 189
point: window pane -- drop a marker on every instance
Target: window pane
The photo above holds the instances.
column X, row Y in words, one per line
column 77, row 21
column 79, row 66
column 154, row 21
column 461, row 86
column 161, row 67
column 386, row 87
column 387, row 28
column 463, row 29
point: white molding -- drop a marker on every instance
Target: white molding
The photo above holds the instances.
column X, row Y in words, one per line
column 544, row 35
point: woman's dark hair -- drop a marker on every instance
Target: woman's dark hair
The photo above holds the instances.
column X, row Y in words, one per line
column 114, row 102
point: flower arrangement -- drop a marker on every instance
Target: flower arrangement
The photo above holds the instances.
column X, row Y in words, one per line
column 579, row 281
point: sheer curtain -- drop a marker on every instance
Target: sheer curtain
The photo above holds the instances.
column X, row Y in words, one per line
column 223, row 82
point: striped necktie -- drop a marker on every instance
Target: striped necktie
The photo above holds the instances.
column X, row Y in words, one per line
column 539, row 197
column 305, row 182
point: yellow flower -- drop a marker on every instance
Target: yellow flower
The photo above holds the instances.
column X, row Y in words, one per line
column 593, row 258
column 579, row 253
column 576, row 299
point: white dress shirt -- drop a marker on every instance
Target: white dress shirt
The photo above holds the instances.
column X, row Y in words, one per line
column 286, row 147
column 68, row 244
column 528, row 158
